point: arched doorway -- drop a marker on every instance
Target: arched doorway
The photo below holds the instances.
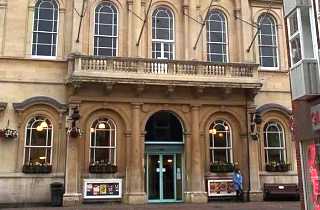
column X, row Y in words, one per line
column 164, row 145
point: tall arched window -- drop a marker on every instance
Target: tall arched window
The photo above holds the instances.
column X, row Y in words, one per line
column 274, row 142
column 162, row 34
column 38, row 141
column 268, row 45
column 106, row 30
column 220, row 136
column 45, row 28
column 217, row 41
column 103, row 141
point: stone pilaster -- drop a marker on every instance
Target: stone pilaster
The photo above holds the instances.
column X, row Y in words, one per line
column 72, row 195
column 255, row 193
column 197, row 192
column 135, row 176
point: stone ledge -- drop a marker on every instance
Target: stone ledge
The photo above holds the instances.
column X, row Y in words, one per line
column 196, row 197
column 265, row 173
column 30, row 176
column 135, row 198
column 72, row 199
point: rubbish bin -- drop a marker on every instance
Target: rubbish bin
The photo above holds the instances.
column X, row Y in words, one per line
column 57, row 190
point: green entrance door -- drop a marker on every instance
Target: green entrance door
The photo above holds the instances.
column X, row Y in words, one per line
column 164, row 177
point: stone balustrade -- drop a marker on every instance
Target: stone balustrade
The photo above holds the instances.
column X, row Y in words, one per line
column 94, row 68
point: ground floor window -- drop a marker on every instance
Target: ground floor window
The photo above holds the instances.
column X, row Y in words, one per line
column 38, row 141
column 220, row 142
column 103, row 141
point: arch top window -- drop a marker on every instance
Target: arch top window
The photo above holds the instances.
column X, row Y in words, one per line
column 45, row 28
column 220, row 137
column 268, row 45
column 162, row 34
column 217, row 42
column 103, row 141
column 274, row 142
column 106, row 30
column 38, row 141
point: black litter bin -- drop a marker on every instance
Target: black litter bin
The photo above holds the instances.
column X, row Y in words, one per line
column 57, row 191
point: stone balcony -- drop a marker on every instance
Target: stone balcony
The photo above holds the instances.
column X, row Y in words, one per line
column 118, row 70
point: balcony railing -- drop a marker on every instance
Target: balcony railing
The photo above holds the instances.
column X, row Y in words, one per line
column 153, row 71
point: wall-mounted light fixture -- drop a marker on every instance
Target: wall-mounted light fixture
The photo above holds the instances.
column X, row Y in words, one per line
column 255, row 120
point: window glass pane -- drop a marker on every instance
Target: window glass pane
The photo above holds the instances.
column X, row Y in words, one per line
column 295, row 50
column 45, row 38
column 268, row 61
column 293, row 23
column 275, row 155
column 102, row 138
column 46, row 14
column 105, row 18
column 220, row 140
column 105, row 155
column 266, row 40
column 273, row 140
column 220, row 155
column 44, row 50
column 45, row 26
column 36, row 153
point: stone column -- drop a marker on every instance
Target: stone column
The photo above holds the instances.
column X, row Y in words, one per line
column 77, row 46
column 246, row 32
column 255, row 193
column 186, row 30
column 197, row 193
column 135, row 177
column 131, row 41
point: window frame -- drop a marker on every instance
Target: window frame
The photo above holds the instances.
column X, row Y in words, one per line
column 283, row 150
column 115, row 8
column 211, row 140
column 295, row 35
column 226, row 37
column 57, row 32
column 276, row 42
column 110, row 148
column 162, row 42
column 25, row 146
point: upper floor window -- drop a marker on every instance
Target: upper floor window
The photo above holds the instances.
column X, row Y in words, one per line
column 294, row 38
column 106, row 30
column 268, row 45
column 220, row 142
column 38, row 141
column 103, row 141
column 217, row 42
column 45, row 28
column 274, row 143
column 162, row 34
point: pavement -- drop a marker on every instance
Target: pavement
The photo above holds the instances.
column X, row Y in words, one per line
column 275, row 205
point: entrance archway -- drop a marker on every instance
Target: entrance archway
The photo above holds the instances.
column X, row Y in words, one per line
column 164, row 143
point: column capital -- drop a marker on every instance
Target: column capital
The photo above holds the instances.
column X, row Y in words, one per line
column 195, row 106
column 136, row 105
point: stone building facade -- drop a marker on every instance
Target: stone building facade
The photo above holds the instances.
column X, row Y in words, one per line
column 174, row 83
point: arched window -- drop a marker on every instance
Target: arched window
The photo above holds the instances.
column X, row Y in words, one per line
column 274, row 143
column 217, row 42
column 45, row 28
column 106, row 30
column 220, row 142
column 103, row 141
column 38, row 141
column 162, row 34
column 268, row 45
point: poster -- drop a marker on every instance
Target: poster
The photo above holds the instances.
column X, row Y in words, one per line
column 102, row 188
column 221, row 188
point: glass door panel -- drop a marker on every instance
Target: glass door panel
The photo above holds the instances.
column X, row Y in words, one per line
column 154, row 177
column 168, row 176
column 178, row 177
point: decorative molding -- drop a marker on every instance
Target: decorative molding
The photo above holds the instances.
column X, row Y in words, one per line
column 274, row 107
column 40, row 100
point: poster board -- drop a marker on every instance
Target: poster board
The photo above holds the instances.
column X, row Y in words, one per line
column 102, row 188
column 221, row 188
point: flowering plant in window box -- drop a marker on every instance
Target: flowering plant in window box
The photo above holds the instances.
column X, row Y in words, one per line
column 37, row 168
column 277, row 166
column 8, row 133
column 99, row 167
column 221, row 167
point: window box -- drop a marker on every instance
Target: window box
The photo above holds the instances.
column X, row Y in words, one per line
column 7, row 133
column 37, row 168
column 277, row 167
column 221, row 167
column 102, row 168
